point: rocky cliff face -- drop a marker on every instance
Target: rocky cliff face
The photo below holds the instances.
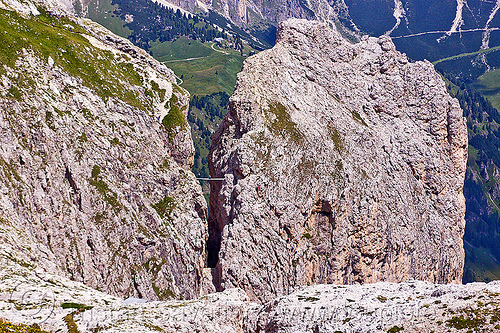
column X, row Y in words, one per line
column 342, row 164
column 253, row 12
column 27, row 7
column 95, row 153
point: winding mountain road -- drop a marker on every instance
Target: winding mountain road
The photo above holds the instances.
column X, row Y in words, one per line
column 443, row 32
column 220, row 51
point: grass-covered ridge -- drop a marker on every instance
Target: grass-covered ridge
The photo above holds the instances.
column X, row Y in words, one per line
column 210, row 74
column 63, row 40
column 174, row 118
column 180, row 49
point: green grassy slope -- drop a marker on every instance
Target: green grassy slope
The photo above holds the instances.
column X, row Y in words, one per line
column 101, row 11
column 469, row 54
column 206, row 71
column 63, row 41
column 205, row 76
column 488, row 85
column 481, row 264
column 182, row 48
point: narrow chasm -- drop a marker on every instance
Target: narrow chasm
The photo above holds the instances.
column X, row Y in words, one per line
column 213, row 244
column 215, row 228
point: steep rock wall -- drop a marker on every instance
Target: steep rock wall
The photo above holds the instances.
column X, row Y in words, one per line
column 342, row 164
column 95, row 153
column 253, row 12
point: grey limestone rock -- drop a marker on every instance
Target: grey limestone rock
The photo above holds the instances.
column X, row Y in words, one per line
column 412, row 306
column 95, row 158
column 342, row 163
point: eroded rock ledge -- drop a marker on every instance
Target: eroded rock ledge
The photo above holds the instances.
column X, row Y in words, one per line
column 343, row 163
column 413, row 306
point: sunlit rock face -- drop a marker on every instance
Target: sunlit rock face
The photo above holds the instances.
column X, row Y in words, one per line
column 95, row 157
column 342, row 163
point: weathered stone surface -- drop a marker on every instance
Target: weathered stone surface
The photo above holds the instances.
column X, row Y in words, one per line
column 342, row 164
column 95, row 153
column 29, row 294
column 254, row 12
column 412, row 306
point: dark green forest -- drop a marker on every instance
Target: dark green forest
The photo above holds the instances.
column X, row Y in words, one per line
column 155, row 22
column 205, row 115
column 481, row 189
